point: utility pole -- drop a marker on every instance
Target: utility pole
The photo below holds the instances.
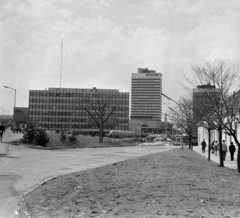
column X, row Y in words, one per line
column 166, row 129
column 182, row 116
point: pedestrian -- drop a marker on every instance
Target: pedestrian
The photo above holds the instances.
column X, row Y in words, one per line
column 212, row 146
column 224, row 149
column 2, row 130
column 232, row 149
column 216, row 147
column 204, row 144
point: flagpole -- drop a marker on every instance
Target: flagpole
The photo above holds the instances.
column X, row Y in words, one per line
column 61, row 64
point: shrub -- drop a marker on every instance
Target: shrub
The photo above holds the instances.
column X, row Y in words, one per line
column 72, row 139
column 29, row 132
column 33, row 134
column 41, row 138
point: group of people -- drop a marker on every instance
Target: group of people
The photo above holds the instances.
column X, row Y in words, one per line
column 215, row 148
column 16, row 129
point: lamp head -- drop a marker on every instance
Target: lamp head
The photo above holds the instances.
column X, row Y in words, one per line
column 6, row 87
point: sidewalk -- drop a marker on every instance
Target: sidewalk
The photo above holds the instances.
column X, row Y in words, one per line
column 227, row 163
column 8, row 136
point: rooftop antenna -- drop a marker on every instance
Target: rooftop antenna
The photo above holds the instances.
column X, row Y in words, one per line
column 61, row 64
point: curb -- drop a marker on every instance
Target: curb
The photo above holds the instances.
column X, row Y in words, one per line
column 22, row 202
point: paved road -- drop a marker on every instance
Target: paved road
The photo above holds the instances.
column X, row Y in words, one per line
column 22, row 169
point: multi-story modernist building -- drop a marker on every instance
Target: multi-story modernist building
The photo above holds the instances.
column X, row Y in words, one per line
column 60, row 108
column 146, row 98
column 201, row 96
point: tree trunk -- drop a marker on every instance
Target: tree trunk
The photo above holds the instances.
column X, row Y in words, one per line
column 189, row 141
column 238, row 158
column 101, row 135
column 238, row 152
column 209, row 144
column 220, row 148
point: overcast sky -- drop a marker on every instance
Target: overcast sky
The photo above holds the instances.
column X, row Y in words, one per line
column 104, row 41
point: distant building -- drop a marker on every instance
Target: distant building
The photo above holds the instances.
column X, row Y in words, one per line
column 146, row 100
column 150, row 126
column 21, row 115
column 6, row 119
column 59, row 108
column 199, row 98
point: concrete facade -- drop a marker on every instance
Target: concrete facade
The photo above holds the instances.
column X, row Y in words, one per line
column 146, row 98
column 149, row 126
column 200, row 96
column 60, row 108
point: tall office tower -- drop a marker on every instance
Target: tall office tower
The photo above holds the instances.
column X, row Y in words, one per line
column 201, row 96
column 146, row 101
column 59, row 108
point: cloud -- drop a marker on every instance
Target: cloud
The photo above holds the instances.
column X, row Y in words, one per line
column 105, row 41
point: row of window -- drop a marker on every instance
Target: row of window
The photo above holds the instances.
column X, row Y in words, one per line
column 76, row 126
column 71, row 120
column 73, row 101
column 146, row 79
column 145, row 88
column 145, row 103
column 146, row 97
column 145, row 85
column 152, row 113
column 61, row 113
column 78, row 94
column 69, row 107
column 146, row 109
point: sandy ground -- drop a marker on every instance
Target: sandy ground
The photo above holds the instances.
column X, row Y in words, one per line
column 176, row 183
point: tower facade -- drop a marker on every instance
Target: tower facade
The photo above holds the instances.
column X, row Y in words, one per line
column 201, row 96
column 146, row 98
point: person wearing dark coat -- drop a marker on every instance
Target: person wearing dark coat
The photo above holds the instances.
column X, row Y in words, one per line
column 204, row 144
column 232, row 149
column 2, row 130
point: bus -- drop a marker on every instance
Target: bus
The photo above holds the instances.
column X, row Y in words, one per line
column 121, row 134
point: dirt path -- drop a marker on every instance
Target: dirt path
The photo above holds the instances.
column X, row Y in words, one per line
column 176, row 183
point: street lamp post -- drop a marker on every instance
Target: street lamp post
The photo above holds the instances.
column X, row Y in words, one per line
column 182, row 116
column 166, row 118
column 14, row 99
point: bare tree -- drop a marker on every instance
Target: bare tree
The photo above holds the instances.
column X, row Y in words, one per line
column 100, row 107
column 218, row 107
column 181, row 116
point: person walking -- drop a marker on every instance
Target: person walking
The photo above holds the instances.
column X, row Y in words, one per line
column 212, row 146
column 224, row 149
column 232, row 149
column 2, row 130
column 204, row 144
column 215, row 147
